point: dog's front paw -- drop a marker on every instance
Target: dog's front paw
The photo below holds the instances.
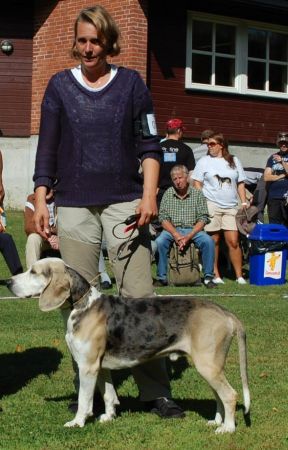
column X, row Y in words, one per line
column 225, row 429
column 106, row 417
column 75, row 423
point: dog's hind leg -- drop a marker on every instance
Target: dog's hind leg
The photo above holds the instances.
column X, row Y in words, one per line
column 85, row 398
column 228, row 396
column 214, row 375
column 219, row 415
column 105, row 384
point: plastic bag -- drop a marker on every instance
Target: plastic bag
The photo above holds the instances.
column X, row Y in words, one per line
column 260, row 247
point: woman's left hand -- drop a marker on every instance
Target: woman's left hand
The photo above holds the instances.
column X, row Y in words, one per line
column 147, row 209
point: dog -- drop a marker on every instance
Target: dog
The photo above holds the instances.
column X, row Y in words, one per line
column 110, row 332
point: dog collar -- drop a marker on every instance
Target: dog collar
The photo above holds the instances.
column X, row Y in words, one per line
column 73, row 304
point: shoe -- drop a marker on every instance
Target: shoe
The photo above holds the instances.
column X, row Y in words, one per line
column 160, row 283
column 167, row 409
column 241, row 280
column 218, row 280
column 105, row 285
column 208, row 282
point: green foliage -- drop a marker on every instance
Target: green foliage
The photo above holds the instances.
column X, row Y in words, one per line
column 36, row 381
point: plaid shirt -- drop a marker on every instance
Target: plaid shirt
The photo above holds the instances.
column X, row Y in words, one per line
column 184, row 212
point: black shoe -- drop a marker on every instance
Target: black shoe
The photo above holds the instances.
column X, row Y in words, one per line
column 209, row 283
column 160, row 283
column 167, row 409
column 105, row 285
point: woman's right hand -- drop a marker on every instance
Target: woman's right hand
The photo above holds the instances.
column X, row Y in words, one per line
column 41, row 214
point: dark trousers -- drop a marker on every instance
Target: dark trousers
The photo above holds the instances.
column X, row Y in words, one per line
column 277, row 211
column 10, row 253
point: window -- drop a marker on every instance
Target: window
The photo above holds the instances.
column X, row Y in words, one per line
column 242, row 57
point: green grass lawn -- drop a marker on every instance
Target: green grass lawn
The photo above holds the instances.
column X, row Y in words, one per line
column 36, row 379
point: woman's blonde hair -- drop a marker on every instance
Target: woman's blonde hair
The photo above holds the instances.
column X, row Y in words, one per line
column 108, row 31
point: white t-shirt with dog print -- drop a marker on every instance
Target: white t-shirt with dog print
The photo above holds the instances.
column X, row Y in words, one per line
column 219, row 180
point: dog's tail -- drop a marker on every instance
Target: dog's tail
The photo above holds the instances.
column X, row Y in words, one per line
column 241, row 337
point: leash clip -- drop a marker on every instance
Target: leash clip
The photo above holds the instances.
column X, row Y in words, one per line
column 131, row 222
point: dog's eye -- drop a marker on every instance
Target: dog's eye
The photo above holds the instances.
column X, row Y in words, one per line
column 32, row 271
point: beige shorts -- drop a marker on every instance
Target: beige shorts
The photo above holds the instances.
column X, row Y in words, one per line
column 221, row 218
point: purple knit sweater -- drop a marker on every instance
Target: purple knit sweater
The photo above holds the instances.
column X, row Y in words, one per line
column 87, row 140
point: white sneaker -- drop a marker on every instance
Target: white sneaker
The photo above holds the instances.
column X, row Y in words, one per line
column 241, row 280
column 218, row 280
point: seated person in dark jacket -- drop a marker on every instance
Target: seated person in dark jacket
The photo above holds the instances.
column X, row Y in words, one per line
column 7, row 245
column 183, row 214
column 10, row 253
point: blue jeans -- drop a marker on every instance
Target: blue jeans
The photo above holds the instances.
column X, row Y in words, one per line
column 202, row 241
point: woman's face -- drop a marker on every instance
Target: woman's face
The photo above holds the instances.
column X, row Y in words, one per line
column 214, row 148
column 283, row 145
column 90, row 48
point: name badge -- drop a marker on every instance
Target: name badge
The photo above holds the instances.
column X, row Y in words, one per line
column 169, row 157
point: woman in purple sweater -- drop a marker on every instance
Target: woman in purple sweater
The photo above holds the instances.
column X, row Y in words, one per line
column 98, row 148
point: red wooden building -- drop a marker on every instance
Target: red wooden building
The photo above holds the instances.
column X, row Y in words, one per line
column 216, row 64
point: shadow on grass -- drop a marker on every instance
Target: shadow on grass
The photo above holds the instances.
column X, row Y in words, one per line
column 205, row 408
column 17, row 369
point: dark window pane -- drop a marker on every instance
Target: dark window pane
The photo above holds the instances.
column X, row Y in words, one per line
column 225, row 72
column 256, row 75
column 225, row 39
column 257, row 44
column 201, row 69
column 277, row 78
column 278, row 47
column 202, row 36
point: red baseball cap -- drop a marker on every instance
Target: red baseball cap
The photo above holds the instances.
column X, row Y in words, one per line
column 174, row 124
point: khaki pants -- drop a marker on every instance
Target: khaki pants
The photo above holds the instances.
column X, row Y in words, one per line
column 35, row 245
column 80, row 233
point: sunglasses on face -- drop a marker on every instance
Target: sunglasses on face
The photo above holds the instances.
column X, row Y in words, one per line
column 212, row 144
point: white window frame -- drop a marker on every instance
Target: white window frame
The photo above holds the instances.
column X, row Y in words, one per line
column 241, row 53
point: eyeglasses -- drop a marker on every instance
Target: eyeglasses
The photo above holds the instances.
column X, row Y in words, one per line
column 212, row 144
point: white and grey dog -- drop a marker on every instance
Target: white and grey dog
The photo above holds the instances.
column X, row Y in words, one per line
column 109, row 332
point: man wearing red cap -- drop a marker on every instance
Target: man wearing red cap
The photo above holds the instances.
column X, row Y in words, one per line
column 175, row 152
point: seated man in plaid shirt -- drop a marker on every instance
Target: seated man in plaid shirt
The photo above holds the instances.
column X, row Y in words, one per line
column 183, row 214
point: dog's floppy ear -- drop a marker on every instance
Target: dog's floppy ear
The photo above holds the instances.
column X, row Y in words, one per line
column 56, row 292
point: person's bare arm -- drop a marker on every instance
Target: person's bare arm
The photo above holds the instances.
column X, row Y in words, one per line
column 147, row 207
column 41, row 214
column 29, row 225
column 269, row 176
column 197, row 184
column 242, row 194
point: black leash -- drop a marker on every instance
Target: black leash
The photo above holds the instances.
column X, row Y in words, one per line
column 131, row 224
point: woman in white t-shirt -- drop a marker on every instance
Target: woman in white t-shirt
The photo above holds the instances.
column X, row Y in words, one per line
column 221, row 177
